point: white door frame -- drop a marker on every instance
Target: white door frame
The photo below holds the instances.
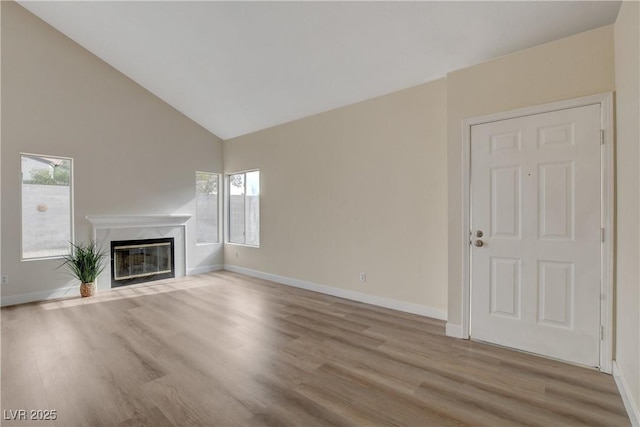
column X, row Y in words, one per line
column 605, row 101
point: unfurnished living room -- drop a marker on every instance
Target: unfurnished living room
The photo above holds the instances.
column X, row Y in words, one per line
column 320, row 213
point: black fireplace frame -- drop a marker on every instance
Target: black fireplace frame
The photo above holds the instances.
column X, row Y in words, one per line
column 150, row 278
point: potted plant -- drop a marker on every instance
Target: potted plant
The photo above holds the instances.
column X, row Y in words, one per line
column 85, row 264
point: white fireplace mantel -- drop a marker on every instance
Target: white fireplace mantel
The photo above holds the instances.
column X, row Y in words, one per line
column 128, row 221
column 110, row 228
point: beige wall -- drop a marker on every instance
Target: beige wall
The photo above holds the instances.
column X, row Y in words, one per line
column 1, row 273
column 357, row 189
column 567, row 68
column 627, row 52
column 133, row 154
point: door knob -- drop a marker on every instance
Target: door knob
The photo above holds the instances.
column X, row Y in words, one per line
column 479, row 243
column 479, row 233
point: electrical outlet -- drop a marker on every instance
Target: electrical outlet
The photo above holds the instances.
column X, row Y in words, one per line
column 5, row 279
column 363, row 277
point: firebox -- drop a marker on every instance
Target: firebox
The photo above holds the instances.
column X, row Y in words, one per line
column 137, row 261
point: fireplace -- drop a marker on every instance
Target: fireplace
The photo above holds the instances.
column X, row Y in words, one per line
column 119, row 228
column 137, row 261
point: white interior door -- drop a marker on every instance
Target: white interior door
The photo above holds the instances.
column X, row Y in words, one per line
column 536, row 201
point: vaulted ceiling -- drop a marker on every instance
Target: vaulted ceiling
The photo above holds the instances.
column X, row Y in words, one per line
column 238, row 67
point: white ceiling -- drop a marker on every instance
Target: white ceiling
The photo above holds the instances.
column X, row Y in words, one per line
column 238, row 67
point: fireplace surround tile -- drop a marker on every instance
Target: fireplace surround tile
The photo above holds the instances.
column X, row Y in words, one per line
column 108, row 228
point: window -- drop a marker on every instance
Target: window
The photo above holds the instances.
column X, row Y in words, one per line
column 207, row 197
column 47, row 206
column 244, row 208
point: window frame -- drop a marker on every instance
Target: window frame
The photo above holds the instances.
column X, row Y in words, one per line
column 227, row 191
column 71, row 206
column 220, row 209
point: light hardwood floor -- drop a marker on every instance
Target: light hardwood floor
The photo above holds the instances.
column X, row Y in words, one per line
column 230, row 350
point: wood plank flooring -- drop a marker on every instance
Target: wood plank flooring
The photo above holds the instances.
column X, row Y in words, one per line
column 229, row 350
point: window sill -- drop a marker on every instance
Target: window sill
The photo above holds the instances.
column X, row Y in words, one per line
column 44, row 258
column 242, row 244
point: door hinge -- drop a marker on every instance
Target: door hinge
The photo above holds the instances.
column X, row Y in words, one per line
column 601, row 136
column 602, row 235
column 601, row 332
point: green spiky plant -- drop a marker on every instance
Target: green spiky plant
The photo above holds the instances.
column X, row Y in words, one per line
column 85, row 261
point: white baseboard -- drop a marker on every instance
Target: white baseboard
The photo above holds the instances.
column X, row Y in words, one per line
column 393, row 304
column 74, row 291
column 40, row 296
column 627, row 399
column 453, row 330
column 205, row 269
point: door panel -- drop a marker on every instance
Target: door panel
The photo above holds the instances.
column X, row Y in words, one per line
column 505, row 287
column 555, row 291
column 505, row 202
column 556, row 190
column 535, row 196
